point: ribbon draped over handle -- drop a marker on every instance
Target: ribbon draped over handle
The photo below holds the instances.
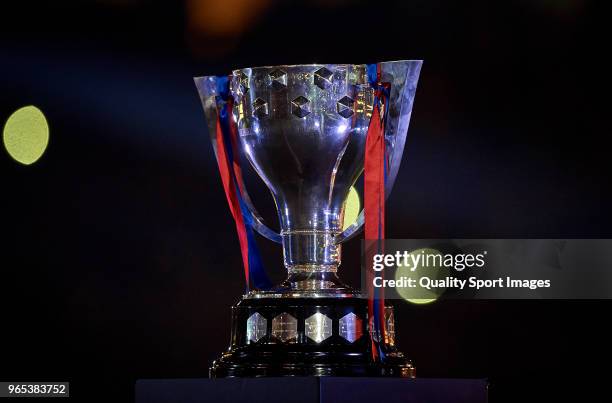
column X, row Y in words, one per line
column 230, row 170
column 375, row 174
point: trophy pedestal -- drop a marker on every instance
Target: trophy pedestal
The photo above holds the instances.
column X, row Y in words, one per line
column 275, row 337
column 311, row 390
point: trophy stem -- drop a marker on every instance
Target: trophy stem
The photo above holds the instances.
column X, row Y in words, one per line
column 315, row 281
column 312, row 258
column 311, row 250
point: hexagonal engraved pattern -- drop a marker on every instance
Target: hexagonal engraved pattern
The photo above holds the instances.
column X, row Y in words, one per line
column 279, row 79
column 260, row 108
column 284, row 328
column 345, row 107
column 318, row 327
column 323, row 78
column 256, row 327
column 351, row 327
column 300, row 106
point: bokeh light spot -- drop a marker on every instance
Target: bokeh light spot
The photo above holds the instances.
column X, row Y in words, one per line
column 26, row 135
column 420, row 295
column 351, row 209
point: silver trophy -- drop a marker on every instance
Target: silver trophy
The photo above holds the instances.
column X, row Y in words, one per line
column 303, row 129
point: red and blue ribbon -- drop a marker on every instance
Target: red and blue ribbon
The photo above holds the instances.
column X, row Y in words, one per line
column 231, row 175
column 375, row 173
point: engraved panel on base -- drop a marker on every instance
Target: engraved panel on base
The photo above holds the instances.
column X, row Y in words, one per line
column 256, row 327
column 351, row 327
column 318, row 327
column 284, row 328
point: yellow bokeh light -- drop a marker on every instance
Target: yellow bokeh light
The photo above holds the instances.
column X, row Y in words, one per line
column 424, row 296
column 26, row 135
column 421, row 301
column 351, row 209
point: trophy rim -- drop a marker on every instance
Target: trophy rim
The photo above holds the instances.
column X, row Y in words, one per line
column 236, row 72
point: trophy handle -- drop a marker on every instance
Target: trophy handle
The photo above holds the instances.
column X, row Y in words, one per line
column 352, row 230
column 403, row 76
column 207, row 88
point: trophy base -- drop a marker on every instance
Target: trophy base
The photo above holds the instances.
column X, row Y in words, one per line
column 275, row 337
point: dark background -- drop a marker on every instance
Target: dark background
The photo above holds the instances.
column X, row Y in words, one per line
column 119, row 259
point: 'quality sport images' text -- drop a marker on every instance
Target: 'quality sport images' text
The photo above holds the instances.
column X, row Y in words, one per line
column 429, row 283
column 410, row 262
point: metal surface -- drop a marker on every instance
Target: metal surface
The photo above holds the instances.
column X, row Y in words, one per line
column 312, row 337
column 318, row 327
column 350, row 327
column 284, row 328
column 303, row 130
column 256, row 328
column 308, row 155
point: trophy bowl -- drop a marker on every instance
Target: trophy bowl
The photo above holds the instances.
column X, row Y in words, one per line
column 303, row 129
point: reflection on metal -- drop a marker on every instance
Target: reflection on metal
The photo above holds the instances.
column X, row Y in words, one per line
column 260, row 108
column 318, row 327
column 351, row 327
column 284, row 328
column 243, row 80
column 256, row 327
column 389, row 326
